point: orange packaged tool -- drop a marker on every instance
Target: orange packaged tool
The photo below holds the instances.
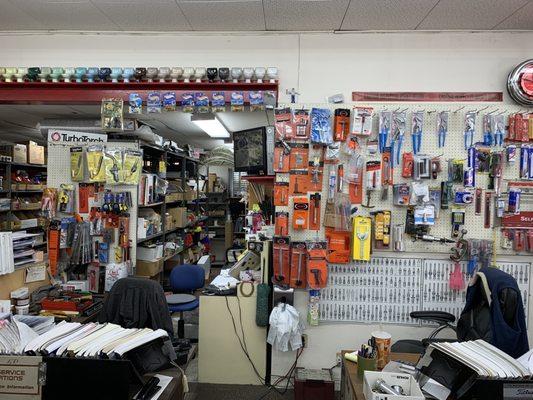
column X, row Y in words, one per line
column 281, row 194
column 338, row 246
column 300, row 121
column 300, row 213
column 298, row 182
column 83, row 198
column 342, row 124
column 282, row 223
column 282, row 266
column 298, row 265
column 407, row 165
column 299, row 157
column 316, row 171
column 314, row 212
column 282, row 152
column 283, row 123
column 317, row 266
column 53, row 246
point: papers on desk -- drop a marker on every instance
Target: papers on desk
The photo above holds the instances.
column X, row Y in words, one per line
column 91, row 340
column 38, row 323
column 485, row 359
column 7, row 264
column 527, row 361
column 14, row 336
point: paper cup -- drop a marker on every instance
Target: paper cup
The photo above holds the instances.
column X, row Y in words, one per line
column 383, row 342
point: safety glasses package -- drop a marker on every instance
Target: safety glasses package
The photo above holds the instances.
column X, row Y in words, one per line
column 283, row 123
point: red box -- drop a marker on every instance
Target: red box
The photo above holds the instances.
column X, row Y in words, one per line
column 313, row 384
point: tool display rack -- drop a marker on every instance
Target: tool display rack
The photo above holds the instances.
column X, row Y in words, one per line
column 6, row 191
column 419, row 251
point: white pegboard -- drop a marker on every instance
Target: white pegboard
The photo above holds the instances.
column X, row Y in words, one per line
column 454, row 149
column 59, row 173
column 386, row 289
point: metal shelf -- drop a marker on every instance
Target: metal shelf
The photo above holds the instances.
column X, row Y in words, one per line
column 151, row 205
column 27, row 191
column 150, row 237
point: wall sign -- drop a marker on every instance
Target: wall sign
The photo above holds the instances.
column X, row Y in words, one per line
column 428, row 96
column 21, row 377
column 72, row 137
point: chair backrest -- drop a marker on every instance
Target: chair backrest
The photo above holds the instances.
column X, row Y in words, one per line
column 187, row 278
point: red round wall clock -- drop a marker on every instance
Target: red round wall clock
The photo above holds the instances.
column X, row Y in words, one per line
column 520, row 83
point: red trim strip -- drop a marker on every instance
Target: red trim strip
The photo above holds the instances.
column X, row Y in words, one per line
column 428, row 96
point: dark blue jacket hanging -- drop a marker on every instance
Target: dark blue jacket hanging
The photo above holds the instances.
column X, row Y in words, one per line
column 500, row 321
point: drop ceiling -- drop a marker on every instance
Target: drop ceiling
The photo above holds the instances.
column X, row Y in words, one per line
column 19, row 123
column 264, row 15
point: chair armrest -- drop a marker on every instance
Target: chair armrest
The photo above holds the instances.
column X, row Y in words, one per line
column 440, row 317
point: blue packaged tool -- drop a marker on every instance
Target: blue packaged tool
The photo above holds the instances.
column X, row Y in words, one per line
column 469, row 177
column 169, row 101
column 442, row 127
column 321, row 126
column 498, row 129
column 398, row 132
column 417, row 128
column 385, row 118
column 524, row 162
column 470, row 129
column 487, row 130
column 472, row 152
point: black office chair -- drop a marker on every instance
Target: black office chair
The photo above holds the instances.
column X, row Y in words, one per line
column 444, row 319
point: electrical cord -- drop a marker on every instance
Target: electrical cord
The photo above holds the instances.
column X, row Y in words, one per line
column 244, row 347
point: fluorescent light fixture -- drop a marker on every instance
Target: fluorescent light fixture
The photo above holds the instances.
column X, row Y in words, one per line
column 210, row 124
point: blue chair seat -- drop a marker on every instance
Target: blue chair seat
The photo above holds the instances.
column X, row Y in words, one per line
column 193, row 305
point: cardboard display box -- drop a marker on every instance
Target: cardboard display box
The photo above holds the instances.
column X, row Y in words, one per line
column 179, row 216
column 20, row 153
column 35, row 154
column 149, row 268
column 149, row 253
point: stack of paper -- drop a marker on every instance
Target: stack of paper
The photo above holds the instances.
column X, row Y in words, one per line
column 485, row 359
column 91, row 340
column 14, row 336
column 7, row 264
column 38, row 323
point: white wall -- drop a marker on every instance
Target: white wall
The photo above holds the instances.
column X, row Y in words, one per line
column 317, row 65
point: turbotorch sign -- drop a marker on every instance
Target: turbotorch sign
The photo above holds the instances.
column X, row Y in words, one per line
column 64, row 137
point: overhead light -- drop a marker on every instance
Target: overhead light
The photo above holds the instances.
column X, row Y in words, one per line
column 210, row 124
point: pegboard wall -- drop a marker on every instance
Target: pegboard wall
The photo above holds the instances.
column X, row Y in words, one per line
column 453, row 149
column 59, row 173
column 386, row 290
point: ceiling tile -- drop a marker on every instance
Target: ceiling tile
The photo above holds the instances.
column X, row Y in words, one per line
column 522, row 19
column 145, row 16
column 386, row 14
column 13, row 18
column 470, row 14
column 304, row 15
column 224, row 15
column 66, row 15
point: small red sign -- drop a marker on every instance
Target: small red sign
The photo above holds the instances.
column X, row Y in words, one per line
column 428, row 96
column 522, row 220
